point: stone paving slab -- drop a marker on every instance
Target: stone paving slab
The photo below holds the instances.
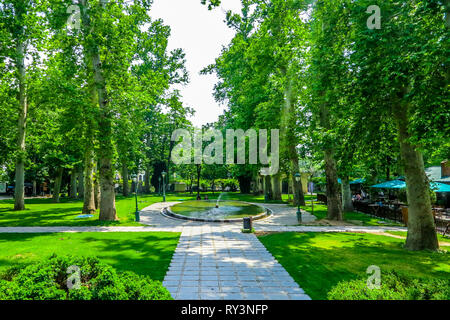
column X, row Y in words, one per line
column 213, row 263
column 283, row 215
column 181, row 229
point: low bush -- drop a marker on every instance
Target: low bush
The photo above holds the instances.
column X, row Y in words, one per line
column 393, row 287
column 48, row 280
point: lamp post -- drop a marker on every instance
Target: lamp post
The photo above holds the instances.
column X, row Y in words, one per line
column 163, row 174
column 136, row 214
column 299, row 213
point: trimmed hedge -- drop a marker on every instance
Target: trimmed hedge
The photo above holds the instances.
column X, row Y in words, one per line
column 47, row 280
column 393, row 287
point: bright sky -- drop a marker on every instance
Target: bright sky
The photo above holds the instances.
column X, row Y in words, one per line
column 201, row 34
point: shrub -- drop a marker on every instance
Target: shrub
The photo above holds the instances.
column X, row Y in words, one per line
column 393, row 287
column 47, row 280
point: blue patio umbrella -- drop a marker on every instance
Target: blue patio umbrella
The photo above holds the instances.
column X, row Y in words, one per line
column 399, row 184
column 393, row 184
column 439, row 187
column 358, row 181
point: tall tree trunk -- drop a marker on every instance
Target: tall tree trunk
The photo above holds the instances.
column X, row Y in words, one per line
column 171, row 144
column 147, row 186
column 73, row 184
column 268, row 187
column 421, row 229
column 58, row 182
column 276, row 187
column 19, row 196
column 297, row 186
column 333, row 195
column 80, row 186
column 34, row 188
column 289, row 141
column 299, row 198
column 199, row 171
column 125, row 185
column 89, row 193
column 105, row 118
column 347, row 195
column 97, row 191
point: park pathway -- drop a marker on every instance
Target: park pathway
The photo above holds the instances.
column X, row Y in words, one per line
column 221, row 263
column 217, row 260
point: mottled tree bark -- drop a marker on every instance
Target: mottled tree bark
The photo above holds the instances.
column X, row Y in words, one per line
column 333, row 195
column 268, row 187
column 147, row 185
column 73, row 184
column 34, row 191
column 19, row 196
column 289, row 142
column 276, row 187
column 334, row 204
column 89, row 193
column 199, row 171
column 105, row 120
column 421, row 229
column 80, row 186
column 58, row 182
column 297, row 187
column 347, row 195
column 97, row 192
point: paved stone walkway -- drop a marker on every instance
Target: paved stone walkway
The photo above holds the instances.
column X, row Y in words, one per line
column 217, row 260
column 212, row 263
column 283, row 215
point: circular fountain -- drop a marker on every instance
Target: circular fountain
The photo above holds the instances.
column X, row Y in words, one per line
column 216, row 211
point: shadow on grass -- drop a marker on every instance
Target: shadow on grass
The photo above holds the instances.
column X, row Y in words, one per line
column 142, row 253
column 318, row 261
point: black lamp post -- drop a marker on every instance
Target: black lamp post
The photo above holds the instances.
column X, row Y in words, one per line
column 136, row 214
column 299, row 213
column 163, row 174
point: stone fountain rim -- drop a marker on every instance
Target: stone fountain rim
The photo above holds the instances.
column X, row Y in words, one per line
column 167, row 212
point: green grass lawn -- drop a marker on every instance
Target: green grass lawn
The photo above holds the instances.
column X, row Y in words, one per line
column 441, row 238
column 43, row 212
column 320, row 211
column 145, row 253
column 318, row 261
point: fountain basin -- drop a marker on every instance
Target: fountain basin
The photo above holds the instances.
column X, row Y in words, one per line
column 228, row 211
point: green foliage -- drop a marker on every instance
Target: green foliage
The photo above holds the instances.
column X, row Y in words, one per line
column 48, row 280
column 393, row 287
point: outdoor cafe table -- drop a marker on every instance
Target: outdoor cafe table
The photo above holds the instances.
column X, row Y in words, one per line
column 442, row 221
column 375, row 207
